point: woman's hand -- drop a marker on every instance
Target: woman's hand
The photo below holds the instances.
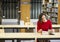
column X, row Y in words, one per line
column 40, row 31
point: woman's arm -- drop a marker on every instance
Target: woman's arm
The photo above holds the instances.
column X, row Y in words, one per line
column 38, row 27
column 40, row 31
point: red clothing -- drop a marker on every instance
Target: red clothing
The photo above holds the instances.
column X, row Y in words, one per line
column 44, row 25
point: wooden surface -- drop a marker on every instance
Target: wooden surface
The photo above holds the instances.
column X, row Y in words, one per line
column 55, row 26
column 17, row 26
column 27, row 35
column 56, row 35
column 17, row 35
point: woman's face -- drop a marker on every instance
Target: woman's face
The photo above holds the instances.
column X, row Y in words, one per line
column 43, row 17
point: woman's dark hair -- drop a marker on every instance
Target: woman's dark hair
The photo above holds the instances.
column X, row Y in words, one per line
column 40, row 16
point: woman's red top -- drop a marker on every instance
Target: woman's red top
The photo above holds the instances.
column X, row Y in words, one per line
column 44, row 25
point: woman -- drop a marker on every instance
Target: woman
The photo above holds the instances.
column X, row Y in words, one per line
column 43, row 24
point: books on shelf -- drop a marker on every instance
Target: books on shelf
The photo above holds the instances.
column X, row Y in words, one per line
column 50, row 0
column 51, row 8
column 49, row 5
column 56, row 5
column 53, row 20
column 55, row 1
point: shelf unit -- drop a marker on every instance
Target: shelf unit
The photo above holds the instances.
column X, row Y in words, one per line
column 50, row 7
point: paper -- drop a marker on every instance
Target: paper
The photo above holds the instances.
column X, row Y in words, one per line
column 45, row 33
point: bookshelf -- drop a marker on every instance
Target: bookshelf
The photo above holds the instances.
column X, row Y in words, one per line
column 50, row 7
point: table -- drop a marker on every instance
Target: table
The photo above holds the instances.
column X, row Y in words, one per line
column 18, row 26
column 3, row 27
column 28, row 36
column 25, row 26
